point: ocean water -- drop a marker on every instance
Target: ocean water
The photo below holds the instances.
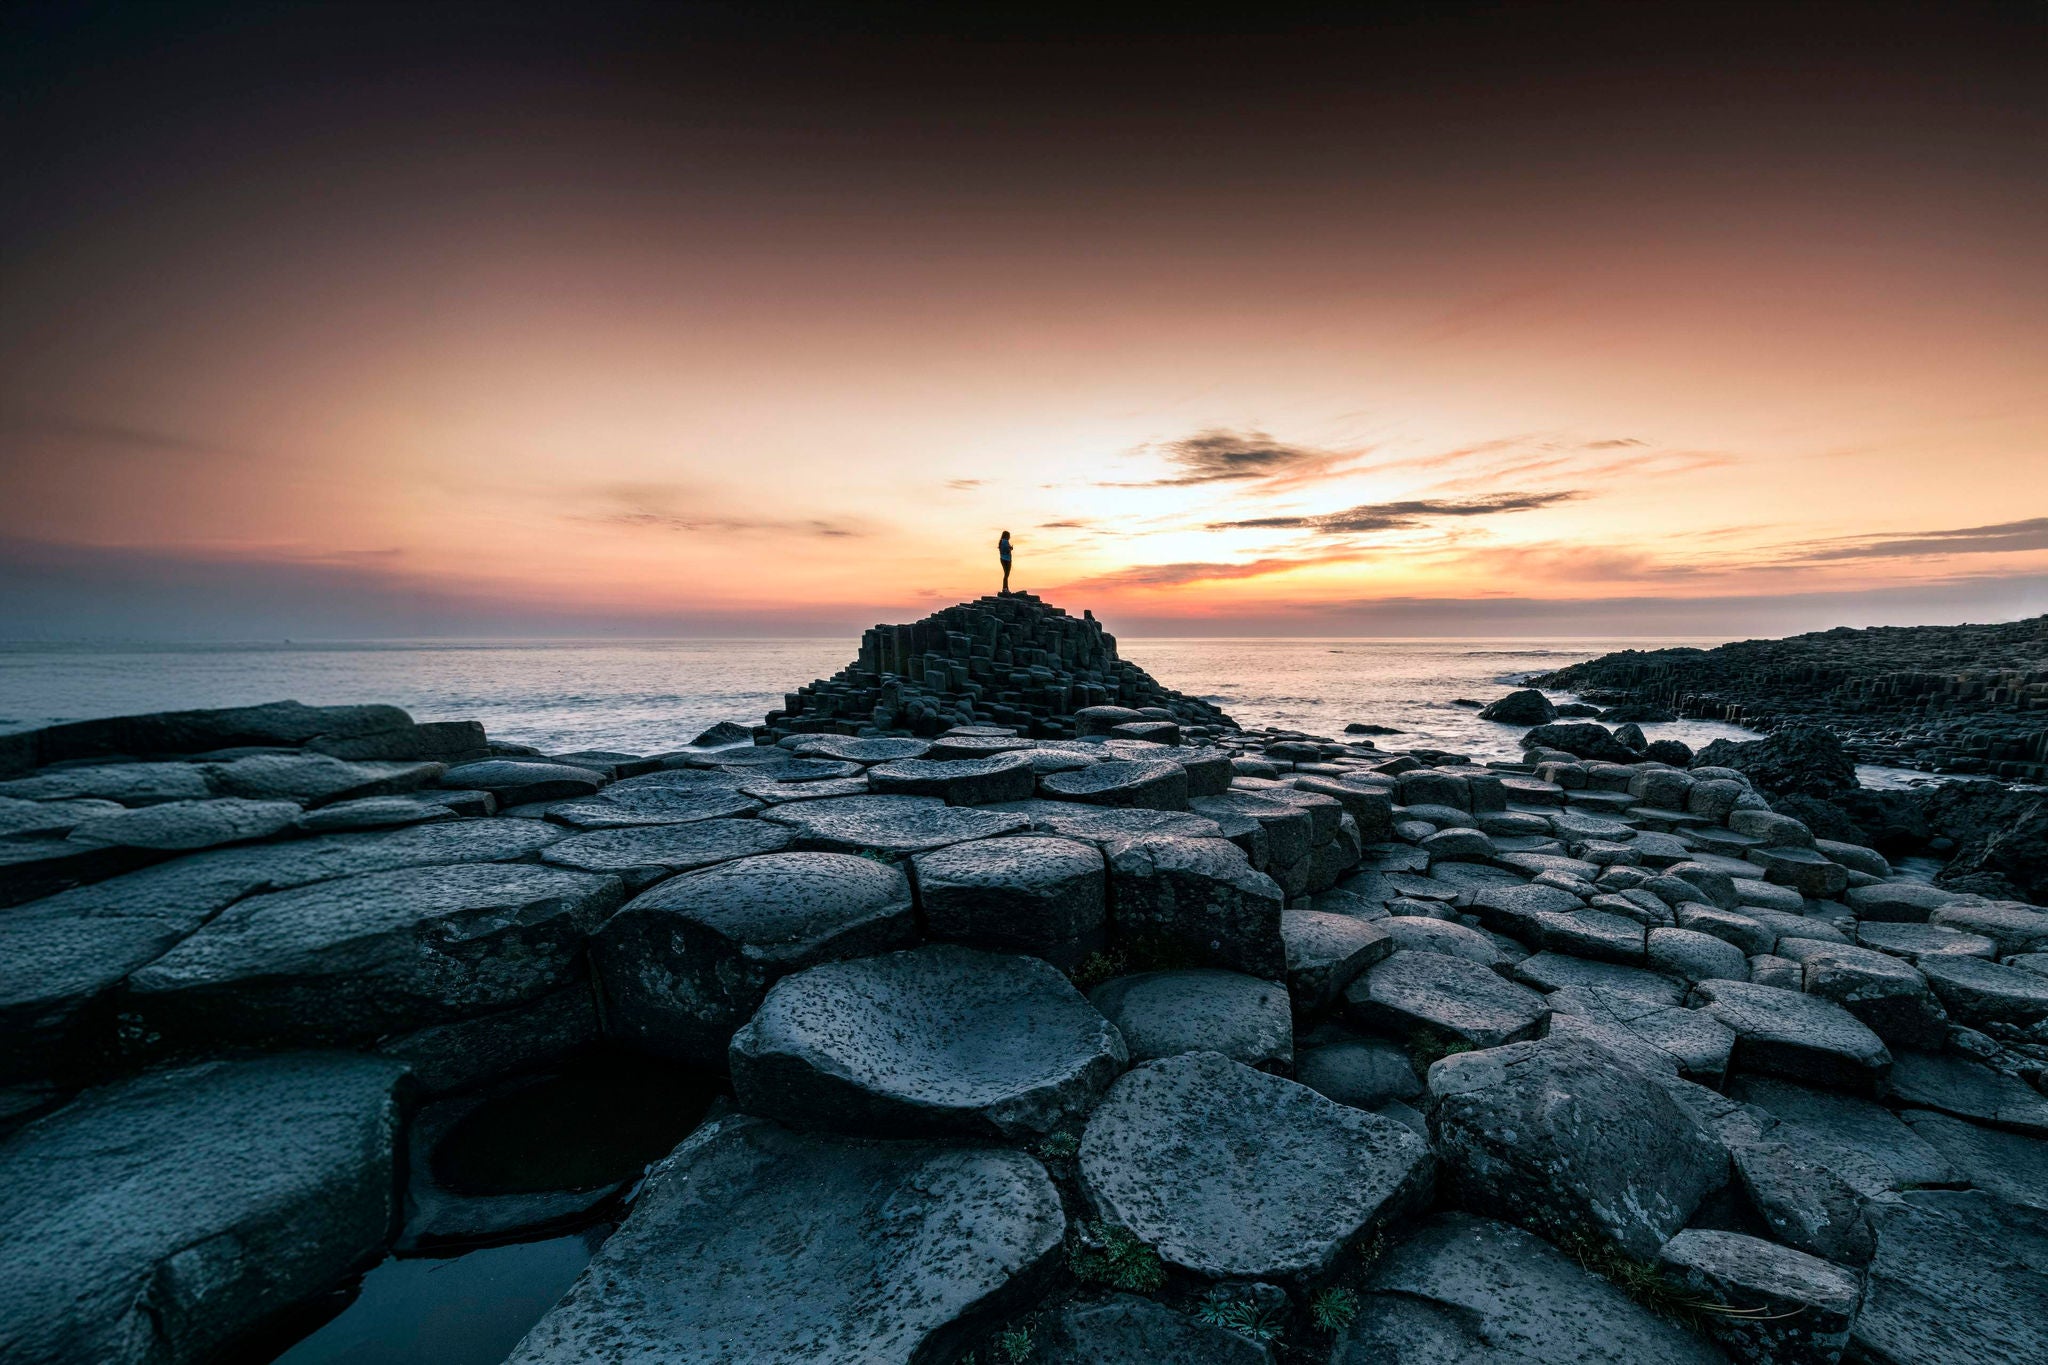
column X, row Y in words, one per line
column 648, row 696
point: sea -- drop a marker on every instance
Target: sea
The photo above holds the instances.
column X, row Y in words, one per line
column 650, row 696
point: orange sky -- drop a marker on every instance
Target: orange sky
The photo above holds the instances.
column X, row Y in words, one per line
column 1230, row 332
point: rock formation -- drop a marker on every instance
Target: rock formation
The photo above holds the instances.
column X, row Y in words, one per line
column 1070, row 1039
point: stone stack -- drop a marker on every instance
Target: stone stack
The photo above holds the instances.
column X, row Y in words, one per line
column 1011, row 660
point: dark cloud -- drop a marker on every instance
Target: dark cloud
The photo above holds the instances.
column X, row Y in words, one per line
column 2004, row 538
column 1063, row 526
column 655, row 508
column 1617, row 444
column 1398, row 516
column 107, row 438
column 1220, row 455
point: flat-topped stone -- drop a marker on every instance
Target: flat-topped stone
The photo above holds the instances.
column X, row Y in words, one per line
column 1021, row 893
column 958, row 782
column 160, row 1218
column 906, row 1248
column 687, row 962
column 1550, row 971
column 1165, row 1014
column 350, row 959
column 1447, row 999
column 1959, row 1278
column 1884, row 1153
column 1560, row 1138
column 1154, row 784
column 1163, row 1155
column 2013, row 927
column 1196, row 898
column 624, row 809
column 2012, row 1166
column 376, row 812
column 315, row 779
column 129, row 784
column 1787, row 1305
column 941, row 1038
column 1414, row 933
column 846, row 749
column 302, row 862
column 1692, row 1040
column 1802, row 1037
column 1100, row 824
column 1885, row 992
column 185, row 826
column 518, row 782
column 1967, row 1089
column 1915, row 941
column 1980, row 992
column 1325, row 954
column 642, row 855
column 1900, row 901
column 1469, row 1290
column 899, row 826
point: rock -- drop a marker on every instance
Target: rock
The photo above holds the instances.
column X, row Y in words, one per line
column 490, row 1047
column 441, row 741
column 1805, row 1204
column 938, row 1039
column 2014, row 928
column 640, row 856
column 1979, row 992
column 1560, row 1138
column 898, row 826
column 1675, row 752
column 1784, row 1033
column 33, row 868
column 1163, row 1155
column 1898, row 902
column 1789, row 1307
column 1165, row 1014
column 2010, row 1166
column 1127, row 1330
column 1556, row 971
column 1915, row 941
column 773, row 792
column 625, row 807
column 1958, row 1279
column 1101, row 824
column 962, row 782
column 1799, row 760
column 129, row 784
column 1694, row 956
column 516, row 783
column 906, row 1248
column 1445, row 999
column 1827, row 1125
column 845, row 749
column 1885, row 993
column 1415, row 934
column 1197, row 898
column 1803, row 870
column 1692, row 1041
column 1747, row 933
column 1582, row 739
column 1026, row 894
column 687, row 962
column 304, row 861
column 1325, row 954
column 48, row 819
column 315, row 779
column 1149, row 784
column 1968, row 1090
column 182, row 826
column 160, row 1218
column 373, row 812
column 1448, row 844
column 1365, row 1073
column 723, row 734
column 348, row 960
column 1289, row 829
column 60, row 955
column 1524, row 707
column 1467, row 1289
column 1516, row 910
column 1592, row 934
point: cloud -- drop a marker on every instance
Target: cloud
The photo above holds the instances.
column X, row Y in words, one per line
column 2007, row 537
column 1175, row 575
column 1617, row 444
column 1398, row 516
column 964, row 483
column 1064, row 526
column 110, row 438
column 1220, row 455
column 654, row 507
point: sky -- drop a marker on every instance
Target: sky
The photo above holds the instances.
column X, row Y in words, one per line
column 1518, row 319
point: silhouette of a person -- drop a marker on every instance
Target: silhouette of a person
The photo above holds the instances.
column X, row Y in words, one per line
column 1003, row 553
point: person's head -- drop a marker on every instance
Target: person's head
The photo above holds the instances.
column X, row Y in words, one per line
column 1006, row 535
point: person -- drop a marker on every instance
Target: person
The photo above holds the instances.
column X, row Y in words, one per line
column 1003, row 553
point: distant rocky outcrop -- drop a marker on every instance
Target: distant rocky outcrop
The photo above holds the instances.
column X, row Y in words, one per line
column 1951, row 699
column 1011, row 660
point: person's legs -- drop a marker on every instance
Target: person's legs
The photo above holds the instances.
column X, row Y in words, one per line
column 1006, row 577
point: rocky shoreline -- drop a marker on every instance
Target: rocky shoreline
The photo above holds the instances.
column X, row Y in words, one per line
column 1052, row 1016
column 1943, row 699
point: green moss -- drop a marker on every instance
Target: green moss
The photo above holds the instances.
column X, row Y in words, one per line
column 1332, row 1310
column 1112, row 1255
column 1059, row 1147
column 1242, row 1317
column 1096, row 968
column 1013, row 1347
column 1427, row 1048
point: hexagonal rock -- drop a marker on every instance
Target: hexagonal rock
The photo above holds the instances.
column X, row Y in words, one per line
column 1445, row 998
column 1979, row 992
column 896, row 825
column 1803, row 870
column 375, row 812
column 1804, row 1204
column 1899, row 902
column 1692, row 1040
column 1888, row 1155
column 1364, row 1073
column 348, row 960
column 516, row 782
column 158, row 1219
column 1971, row 1090
column 1196, row 897
column 625, row 808
column 2013, row 927
column 302, row 862
column 1959, row 1278
column 131, row 784
column 850, row 750
column 1100, row 824
column 686, row 963
column 905, row 1248
column 2013, row 1167
column 1513, row 910
column 1022, row 893
column 1326, row 952
column 1802, row 1037
column 958, row 782
column 1915, row 941
column 1164, row 1014
column 1127, row 1330
column 642, row 855
column 1288, row 827
column 1806, row 1302
column 182, row 826
column 1560, row 1138
column 934, row 1039
column 315, row 779
column 1413, row 933
column 1467, row 1290
column 1164, row 1156
column 1594, row 934
column 1151, row 785
column 1693, row 956
column 1884, row 992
